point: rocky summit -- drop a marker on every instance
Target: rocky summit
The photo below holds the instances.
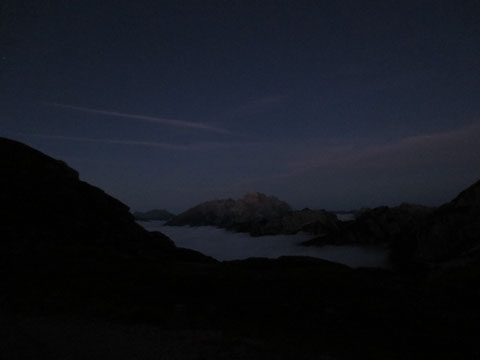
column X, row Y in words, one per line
column 253, row 207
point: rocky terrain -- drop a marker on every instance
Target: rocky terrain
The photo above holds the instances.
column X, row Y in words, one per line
column 80, row 280
column 379, row 226
column 258, row 215
column 156, row 214
column 452, row 231
column 417, row 233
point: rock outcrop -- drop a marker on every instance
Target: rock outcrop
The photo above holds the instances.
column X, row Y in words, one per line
column 156, row 214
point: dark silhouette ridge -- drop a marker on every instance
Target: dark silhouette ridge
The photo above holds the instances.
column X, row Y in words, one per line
column 84, row 281
column 50, row 215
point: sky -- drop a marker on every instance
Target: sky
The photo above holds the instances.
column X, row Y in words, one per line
column 325, row 104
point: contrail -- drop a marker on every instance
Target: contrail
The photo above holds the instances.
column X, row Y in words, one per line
column 170, row 122
column 110, row 141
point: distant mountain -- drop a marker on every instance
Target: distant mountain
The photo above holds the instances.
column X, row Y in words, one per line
column 156, row 214
column 257, row 214
column 253, row 207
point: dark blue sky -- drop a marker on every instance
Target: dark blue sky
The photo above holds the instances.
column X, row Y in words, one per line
column 326, row 104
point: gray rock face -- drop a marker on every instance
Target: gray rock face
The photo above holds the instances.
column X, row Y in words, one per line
column 258, row 215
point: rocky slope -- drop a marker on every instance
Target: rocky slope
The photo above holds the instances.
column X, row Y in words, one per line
column 452, row 231
column 156, row 214
column 49, row 215
column 258, row 215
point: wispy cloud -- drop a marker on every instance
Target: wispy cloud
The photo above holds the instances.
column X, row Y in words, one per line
column 157, row 120
column 456, row 145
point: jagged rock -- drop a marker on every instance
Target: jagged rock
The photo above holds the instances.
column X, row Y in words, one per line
column 156, row 214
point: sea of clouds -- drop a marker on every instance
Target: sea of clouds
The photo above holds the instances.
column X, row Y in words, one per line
column 224, row 245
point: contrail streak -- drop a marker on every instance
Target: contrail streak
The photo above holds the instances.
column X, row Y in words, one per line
column 110, row 141
column 169, row 122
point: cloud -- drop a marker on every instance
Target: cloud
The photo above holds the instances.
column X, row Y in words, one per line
column 454, row 146
column 163, row 121
column 312, row 161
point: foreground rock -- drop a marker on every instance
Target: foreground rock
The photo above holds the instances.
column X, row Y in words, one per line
column 258, row 215
column 153, row 215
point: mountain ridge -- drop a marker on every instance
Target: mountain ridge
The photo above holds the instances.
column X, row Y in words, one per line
column 257, row 214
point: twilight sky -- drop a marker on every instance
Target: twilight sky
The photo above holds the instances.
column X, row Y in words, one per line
column 325, row 104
